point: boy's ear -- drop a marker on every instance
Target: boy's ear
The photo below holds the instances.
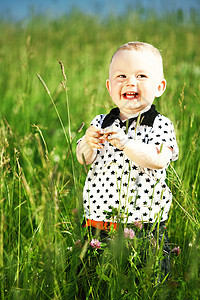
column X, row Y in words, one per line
column 161, row 88
column 108, row 85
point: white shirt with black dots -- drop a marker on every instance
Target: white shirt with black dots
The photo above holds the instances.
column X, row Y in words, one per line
column 114, row 181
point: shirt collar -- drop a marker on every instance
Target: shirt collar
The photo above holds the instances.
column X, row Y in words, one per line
column 146, row 118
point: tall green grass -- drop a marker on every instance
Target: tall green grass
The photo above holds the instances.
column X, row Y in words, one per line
column 42, row 250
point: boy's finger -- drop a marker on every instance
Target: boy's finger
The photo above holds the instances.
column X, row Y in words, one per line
column 114, row 136
column 94, row 141
column 96, row 145
column 94, row 128
column 95, row 135
column 111, row 129
column 94, row 131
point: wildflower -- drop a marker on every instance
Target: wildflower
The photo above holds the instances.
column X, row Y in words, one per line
column 56, row 158
column 176, row 250
column 138, row 224
column 75, row 214
column 95, row 244
column 129, row 233
column 78, row 244
column 75, row 211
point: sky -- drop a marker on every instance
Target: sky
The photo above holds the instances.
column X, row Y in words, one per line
column 21, row 9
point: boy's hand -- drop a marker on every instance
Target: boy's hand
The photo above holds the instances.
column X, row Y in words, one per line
column 94, row 137
column 116, row 137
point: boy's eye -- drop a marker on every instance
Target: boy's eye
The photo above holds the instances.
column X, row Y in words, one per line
column 142, row 76
column 122, row 76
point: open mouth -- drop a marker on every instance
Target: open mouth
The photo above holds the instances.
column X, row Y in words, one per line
column 130, row 95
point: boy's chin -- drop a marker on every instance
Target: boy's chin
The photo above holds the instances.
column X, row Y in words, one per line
column 132, row 110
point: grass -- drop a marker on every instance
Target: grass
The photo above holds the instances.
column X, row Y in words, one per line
column 41, row 182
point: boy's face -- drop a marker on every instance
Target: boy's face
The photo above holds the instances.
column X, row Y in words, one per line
column 135, row 79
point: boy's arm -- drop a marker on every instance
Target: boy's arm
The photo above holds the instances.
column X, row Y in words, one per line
column 84, row 149
column 144, row 155
column 89, row 144
column 148, row 155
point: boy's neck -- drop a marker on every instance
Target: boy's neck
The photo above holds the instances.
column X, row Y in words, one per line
column 125, row 117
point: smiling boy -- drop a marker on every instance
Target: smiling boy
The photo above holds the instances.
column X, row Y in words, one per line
column 131, row 147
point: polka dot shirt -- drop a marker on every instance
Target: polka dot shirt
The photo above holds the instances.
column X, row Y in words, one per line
column 114, row 181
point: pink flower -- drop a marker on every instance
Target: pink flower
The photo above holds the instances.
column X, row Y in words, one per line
column 126, row 232
column 78, row 244
column 176, row 250
column 138, row 224
column 75, row 211
column 95, row 244
column 129, row 233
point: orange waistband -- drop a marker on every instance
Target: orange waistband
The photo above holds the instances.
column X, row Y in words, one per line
column 101, row 224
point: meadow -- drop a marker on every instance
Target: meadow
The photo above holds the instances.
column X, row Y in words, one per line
column 42, row 249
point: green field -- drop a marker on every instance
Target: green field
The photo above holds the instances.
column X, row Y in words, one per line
column 41, row 181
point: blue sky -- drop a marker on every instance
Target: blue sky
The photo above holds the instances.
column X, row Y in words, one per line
column 19, row 9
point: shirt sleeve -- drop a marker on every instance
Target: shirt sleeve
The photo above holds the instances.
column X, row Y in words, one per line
column 163, row 133
column 97, row 121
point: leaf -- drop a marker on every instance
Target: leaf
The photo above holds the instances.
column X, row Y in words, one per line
column 104, row 277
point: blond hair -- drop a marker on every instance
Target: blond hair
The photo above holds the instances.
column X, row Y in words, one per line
column 140, row 46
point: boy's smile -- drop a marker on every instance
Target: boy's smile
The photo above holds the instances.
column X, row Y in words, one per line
column 130, row 95
column 135, row 79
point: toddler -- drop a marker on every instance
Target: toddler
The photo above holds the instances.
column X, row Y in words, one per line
column 131, row 147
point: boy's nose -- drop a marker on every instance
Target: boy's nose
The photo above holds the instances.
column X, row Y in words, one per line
column 132, row 81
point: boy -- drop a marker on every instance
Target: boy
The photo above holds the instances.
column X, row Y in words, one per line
column 131, row 147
